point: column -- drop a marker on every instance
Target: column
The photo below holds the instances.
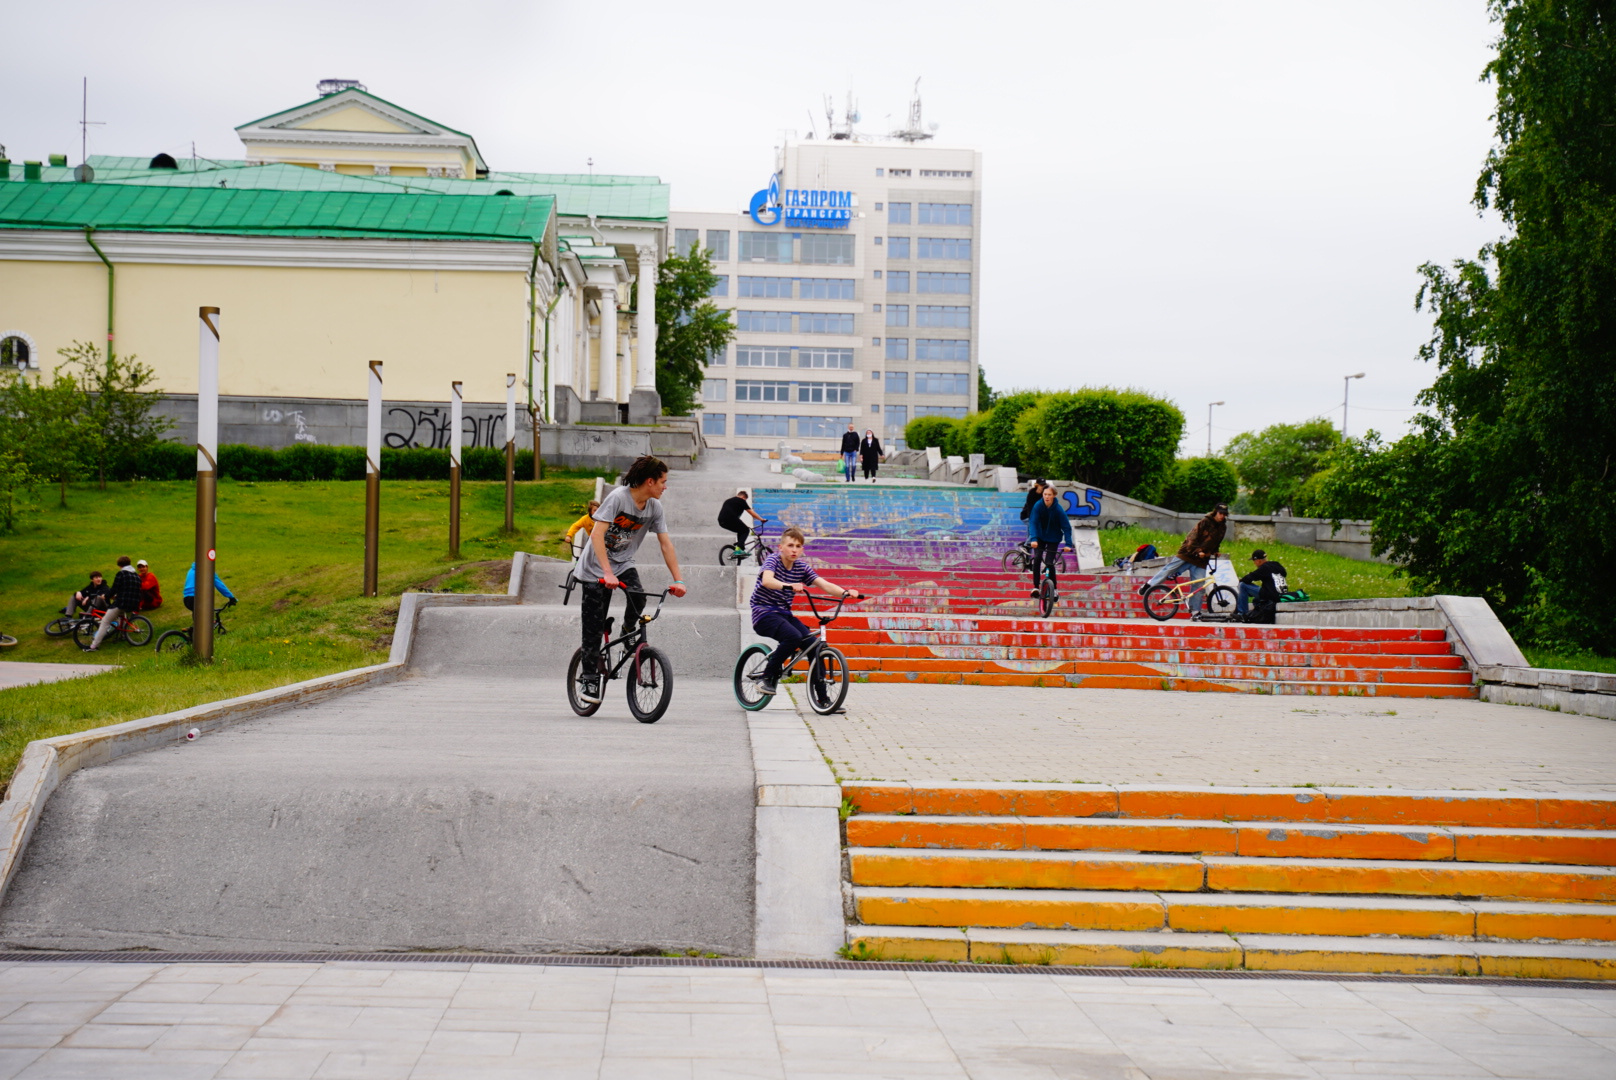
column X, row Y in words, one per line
column 645, row 355
column 608, row 343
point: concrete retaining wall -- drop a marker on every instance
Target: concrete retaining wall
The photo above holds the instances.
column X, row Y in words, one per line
column 1589, row 693
column 1474, row 629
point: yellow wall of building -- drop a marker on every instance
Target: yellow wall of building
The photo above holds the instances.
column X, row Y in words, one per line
column 354, row 118
column 364, row 157
column 287, row 331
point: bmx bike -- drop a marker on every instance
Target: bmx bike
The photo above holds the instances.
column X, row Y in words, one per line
column 754, row 548
column 180, row 638
column 134, row 630
column 650, row 678
column 1163, row 601
column 827, row 667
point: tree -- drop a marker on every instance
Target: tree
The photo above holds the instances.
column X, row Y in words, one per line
column 690, row 328
column 43, row 423
column 1198, row 484
column 15, row 482
column 1504, row 488
column 924, row 431
column 984, row 393
column 116, row 423
column 998, row 428
column 1275, row 463
column 1121, row 440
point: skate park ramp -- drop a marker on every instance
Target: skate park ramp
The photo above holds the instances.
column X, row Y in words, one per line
column 429, row 813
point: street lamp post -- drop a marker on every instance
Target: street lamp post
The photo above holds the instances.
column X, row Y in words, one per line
column 510, row 452
column 373, row 480
column 454, row 470
column 1346, row 385
column 207, row 479
column 1209, row 427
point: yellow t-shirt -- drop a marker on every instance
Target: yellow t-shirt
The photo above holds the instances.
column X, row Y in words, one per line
column 586, row 523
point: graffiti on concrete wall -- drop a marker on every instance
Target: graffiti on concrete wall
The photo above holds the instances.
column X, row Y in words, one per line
column 294, row 417
column 431, row 427
column 1090, row 506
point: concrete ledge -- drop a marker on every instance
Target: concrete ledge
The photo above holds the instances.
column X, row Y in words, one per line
column 1588, row 693
column 47, row 762
column 799, row 842
column 1475, row 631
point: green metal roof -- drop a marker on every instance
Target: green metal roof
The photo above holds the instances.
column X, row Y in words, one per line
column 632, row 198
column 237, row 212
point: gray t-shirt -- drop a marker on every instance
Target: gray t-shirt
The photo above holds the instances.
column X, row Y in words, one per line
column 626, row 528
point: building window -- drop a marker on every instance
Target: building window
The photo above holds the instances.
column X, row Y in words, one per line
column 767, row 287
column 936, row 315
column 721, row 286
column 878, row 205
column 821, row 427
column 712, row 423
column 825, row 322
column 932, row 349
column 827, row 248
column 898, row 314
column 897, row 247
column 827, row 393
column 764, row 322
column 900, row 172
column 685, row 239
column 718, row 244
column 765, row 247
column 878, row 275
column 897, row 416
column 877, row 241
column 897, row 348
column 714, row 389
column 897, row 382
column 876, row 308
column 825, row 288
column 879, row 172
column 934, row 282
column 758, row 356
column 955, row 412
column 898, row 281
column 898, row 213
column 875, row 409
column 717, row 357
column 942, row 382
column 942, row 213
column 947, row 174
column 945, row 247
column 762, row 390
column 875, row 376
column 15, row 353
column 755, row 424
column 825, row 358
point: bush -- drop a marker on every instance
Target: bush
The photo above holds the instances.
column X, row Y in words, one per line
column 1198, row 484
column 1277, row 463
column 997, row 428
column 161, row 461
column 924, row 431
column 1120, row 440
column 308, row 461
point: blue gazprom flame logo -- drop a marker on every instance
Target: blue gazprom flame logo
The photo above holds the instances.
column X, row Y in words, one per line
column 767, row 203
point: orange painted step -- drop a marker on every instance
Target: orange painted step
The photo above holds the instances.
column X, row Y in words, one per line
column 901, row 868
column 1480, row 810
column 1399, row 878
column 1165, row 682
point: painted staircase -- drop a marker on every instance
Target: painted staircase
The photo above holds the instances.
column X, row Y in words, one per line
column 1339, row 879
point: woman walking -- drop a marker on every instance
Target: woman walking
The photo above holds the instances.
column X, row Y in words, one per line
column 870, row 454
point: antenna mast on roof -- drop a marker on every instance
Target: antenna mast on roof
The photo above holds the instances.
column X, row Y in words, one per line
column 850, row 116
column 85, row 124
column 916, row 131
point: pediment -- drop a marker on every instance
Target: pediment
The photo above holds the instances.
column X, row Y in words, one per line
column 355, row 116
column 351, row 110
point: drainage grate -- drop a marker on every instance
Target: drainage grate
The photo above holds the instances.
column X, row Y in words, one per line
column 609, row 961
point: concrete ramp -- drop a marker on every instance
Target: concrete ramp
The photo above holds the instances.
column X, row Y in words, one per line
column 429, row 813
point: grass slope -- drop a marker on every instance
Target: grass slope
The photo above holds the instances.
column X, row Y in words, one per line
column 293, row 553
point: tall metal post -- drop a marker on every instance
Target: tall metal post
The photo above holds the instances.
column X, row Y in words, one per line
column 510, row 452
column 1346, row 389
column 454, row 470
column 1209, row 427
column 373, row 479
column 207, row 480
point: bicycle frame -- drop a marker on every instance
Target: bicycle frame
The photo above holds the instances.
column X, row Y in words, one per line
column 821, row 637
column 637, row 631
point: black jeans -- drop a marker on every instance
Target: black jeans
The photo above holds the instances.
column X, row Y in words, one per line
column 1044, row 560
column 741, row 532
column 788, row 630
column 597, row 601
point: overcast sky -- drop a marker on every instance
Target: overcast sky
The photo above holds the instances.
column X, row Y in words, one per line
column 1211, row 201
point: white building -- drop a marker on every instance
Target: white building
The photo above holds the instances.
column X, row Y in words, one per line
column 854, row 277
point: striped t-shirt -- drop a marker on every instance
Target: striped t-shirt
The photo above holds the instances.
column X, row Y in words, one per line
column 765, row 600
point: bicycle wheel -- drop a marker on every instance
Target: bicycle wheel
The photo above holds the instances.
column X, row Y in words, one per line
column 61, row 626
column 174, row 641
column 7, row 641
column 1015, row 561
column 1161, row 602
column 1221, row 603
column 1065, row 567
column 827, row 681
column 749, row 691
column 84, row 632
column 138, row 631
column 728, row 556
column 575, row 687
column 650, row 685
column 762, row 551
column 1046, row 597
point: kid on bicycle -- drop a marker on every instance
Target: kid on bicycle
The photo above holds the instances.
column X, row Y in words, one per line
column 1048, row 530
column 729, row 516
column 785, row 573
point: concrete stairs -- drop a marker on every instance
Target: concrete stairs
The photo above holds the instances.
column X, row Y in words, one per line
column 993, row 591
column 1147, row 655
column 1330, row 880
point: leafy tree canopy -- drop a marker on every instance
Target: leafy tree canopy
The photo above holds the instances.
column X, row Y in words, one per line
column 116, row 423
column 1275, row 463
column 1196, row 485
column 690, row 328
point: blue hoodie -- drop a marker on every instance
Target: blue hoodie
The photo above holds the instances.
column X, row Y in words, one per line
column 1049, row 524
column 190, row 583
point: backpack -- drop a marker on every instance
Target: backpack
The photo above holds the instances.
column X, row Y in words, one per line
column 1294, row 596
column 1262, row 613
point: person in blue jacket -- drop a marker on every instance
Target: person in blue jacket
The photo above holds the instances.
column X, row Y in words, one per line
column 190, row 588
column 1049, row 529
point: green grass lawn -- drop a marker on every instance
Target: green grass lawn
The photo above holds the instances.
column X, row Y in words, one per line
column 293, row 553
column 1321, row 575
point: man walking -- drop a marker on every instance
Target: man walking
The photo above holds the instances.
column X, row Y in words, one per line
column 125, row 601
column 622, row 522
column 1195, row 553
column 850, row 453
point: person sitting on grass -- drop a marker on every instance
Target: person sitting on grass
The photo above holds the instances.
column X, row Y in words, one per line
column 577, row 534
column 151, row 595
column 93, row 595
column 785, row 573
column 189, row 599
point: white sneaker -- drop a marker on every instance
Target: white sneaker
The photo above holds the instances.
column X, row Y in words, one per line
column 589, row 690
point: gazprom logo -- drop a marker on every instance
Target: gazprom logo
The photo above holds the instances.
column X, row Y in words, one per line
column 809, row 207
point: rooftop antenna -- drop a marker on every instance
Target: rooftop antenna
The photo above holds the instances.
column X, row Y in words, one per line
column 812, row 130
column 84, row 172
column 591, row 163
column 916, row 131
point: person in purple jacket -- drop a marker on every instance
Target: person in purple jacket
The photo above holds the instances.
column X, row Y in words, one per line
column 785, row 573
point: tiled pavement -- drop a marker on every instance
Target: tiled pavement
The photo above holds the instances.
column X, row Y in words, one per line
column 364, row 1020
column 1005, row 734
